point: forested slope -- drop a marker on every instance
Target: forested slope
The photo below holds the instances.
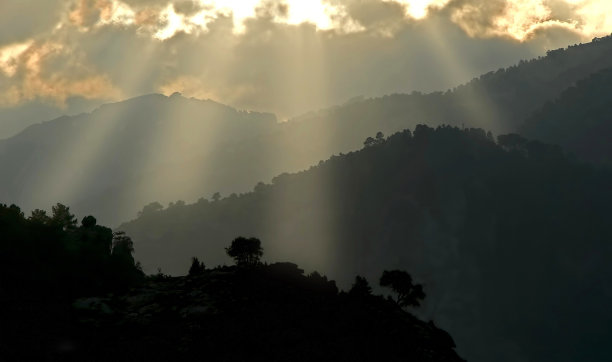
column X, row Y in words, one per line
column 580, row 120
column 511, row 238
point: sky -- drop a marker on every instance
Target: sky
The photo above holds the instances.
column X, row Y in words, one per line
column 282, row 56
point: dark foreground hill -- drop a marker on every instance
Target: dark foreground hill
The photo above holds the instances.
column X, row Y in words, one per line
column 267, row 313
column 261, row 313
column 510, row 238
column 73, row 292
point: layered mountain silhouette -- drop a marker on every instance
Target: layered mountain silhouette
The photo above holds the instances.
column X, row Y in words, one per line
column 580, row 120
column 498, row 101
column 510, row 237
column 124, row 156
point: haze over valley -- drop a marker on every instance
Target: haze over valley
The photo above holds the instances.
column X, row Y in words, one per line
column 437, row 172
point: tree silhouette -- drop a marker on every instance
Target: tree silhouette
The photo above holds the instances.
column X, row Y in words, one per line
column 61, row 258
column 197, row 267
column 380, row 138
column 361, row 288
column 39, row 216
column 150, row 209
column 408, row 294
column 369, row 142
column 123, row 247
column 89, row 221
column 321, row 283
column 246, row 252
column 61, row 217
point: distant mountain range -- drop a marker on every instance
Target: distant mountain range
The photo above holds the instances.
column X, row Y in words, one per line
column 123, row 156
column 498, row 101
column 155, row 148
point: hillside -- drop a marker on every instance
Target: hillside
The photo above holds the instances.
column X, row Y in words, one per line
column 580, row 120
column 118, row 158
column 123, row 156
column 511, row 239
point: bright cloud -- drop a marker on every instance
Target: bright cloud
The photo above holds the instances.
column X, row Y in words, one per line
column 256, row 53
column 519, row 19
column 9, row 57
column 419, row 9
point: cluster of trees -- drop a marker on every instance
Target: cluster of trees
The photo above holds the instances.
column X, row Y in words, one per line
column 255, row 311
column 369, row 142
column 247, row 253
column 52, row 254
column 408, row 294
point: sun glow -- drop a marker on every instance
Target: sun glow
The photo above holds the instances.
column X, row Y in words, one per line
column 418, row 9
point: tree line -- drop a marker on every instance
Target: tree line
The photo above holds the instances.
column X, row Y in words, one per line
column 56, row 256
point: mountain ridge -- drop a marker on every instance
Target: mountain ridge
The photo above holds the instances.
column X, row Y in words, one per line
column 115, row 160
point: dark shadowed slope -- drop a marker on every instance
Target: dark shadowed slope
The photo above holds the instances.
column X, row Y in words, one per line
column 512, row 240
column 580, row 120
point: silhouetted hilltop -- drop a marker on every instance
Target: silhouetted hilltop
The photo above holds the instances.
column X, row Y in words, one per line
column 510, row 238
column 265, row 313
column 580, row 120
